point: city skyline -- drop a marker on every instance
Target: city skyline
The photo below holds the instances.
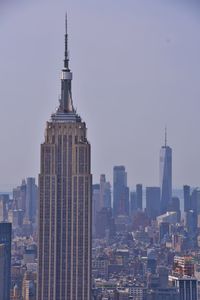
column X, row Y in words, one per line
column 147, row 112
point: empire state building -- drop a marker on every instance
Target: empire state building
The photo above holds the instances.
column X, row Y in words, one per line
column 64, row 237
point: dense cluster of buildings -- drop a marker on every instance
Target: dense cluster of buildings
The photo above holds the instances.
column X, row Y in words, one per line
column 76, row 241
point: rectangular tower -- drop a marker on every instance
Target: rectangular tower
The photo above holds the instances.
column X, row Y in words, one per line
column 120, row 192
column 5, row 240
column 165, row 177
column 64, row 262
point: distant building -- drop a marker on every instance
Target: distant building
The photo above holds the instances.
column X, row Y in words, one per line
column 153, row 202
column 151, row 261
column 105, row 192
column 183, row 266
column 139, row 196
column 2, row 270
column 95, row 204
column 31, row 199
column 187, row 287
column 133, row 203
column 5, row 239
column 187, row 201
column 29, row 286
column 165, row 176
column 19, row 196
column 104, row 221
column 191, row 222
column 169, row 217
column 163, row 230
column 3, row 210
column 120, row 192
column 175, row 206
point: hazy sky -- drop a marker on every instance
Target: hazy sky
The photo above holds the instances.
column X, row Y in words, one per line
column 136, row 67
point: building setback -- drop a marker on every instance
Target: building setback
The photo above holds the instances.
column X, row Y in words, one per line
column 64, row 262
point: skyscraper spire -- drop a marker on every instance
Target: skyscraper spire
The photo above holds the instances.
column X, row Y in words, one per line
column 165, row 136
column 66, row 104
column 66, row 60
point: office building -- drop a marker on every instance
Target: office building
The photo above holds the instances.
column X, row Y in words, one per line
column 165, row 176
column 3, row 210
column 187, row 287
column 31, row 199
column 139, row 196
column 105, row 192
column 163, row 230
column 153, row 202
column 120, row 192
column 5, row 240
column 133, row 203
column 65, row 208
column 175, row 206
column 186, row 194
column 2, row 270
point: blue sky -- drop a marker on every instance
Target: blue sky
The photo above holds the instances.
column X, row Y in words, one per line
column 136, row 70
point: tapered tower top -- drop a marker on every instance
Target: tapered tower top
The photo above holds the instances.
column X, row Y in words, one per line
column 66, row 111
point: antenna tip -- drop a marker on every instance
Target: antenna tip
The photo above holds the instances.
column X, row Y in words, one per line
column 66, row 22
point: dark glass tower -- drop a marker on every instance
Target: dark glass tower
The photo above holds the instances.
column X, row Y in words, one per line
column 165, row 176
column 5, row 239
column 120, row 192
column 65, row 209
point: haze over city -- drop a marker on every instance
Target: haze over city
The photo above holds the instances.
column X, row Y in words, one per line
column 135, row 68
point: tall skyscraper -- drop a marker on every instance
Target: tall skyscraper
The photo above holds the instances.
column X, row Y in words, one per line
column 31, row 199
column 64, row 262
column 153, row 201
column 2, row 270
column 5, row 239
column 105, row 192
column 165, row 176
column 139, row 196
column 120, row 192
column 187, row 200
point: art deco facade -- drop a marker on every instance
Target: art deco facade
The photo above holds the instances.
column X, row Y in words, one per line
column 64, row 263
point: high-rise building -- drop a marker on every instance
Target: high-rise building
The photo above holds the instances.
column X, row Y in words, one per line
column 139, row 196
column 186, row 193
column 163, row 230
column 65, row 208
column 31, row 199
column 19, row 196
column 187, row 287
column 3, row 211
column 165, row 176
column 175, row 206
column 133, row 203
column 120, row 192
column 153, row 202
column 5, row 239
column 2, row 270
column 105, row 192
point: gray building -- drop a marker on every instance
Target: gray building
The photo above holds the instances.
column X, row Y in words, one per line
column 120, row 192
column 187, row 287
column 139, row 196
column 5, row 240
column 165, row 177
column 31, row 199
column 65, row 208
column 153, row 202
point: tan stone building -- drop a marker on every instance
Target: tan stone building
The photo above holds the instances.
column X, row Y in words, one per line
column 64, row 262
